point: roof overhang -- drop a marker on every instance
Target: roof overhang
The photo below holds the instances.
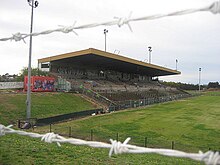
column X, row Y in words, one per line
column 110, row 61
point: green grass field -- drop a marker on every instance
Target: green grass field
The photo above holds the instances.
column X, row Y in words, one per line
column 193, row 124
column 13, row 107
column 20, row 150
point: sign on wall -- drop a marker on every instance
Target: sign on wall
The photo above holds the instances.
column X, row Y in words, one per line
column 40, row 83
column 11, row 85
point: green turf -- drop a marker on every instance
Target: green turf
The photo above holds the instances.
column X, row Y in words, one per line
column 19, row 150
column 13, row 107
column 192, row 123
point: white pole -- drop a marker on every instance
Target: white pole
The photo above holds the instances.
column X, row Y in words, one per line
column 176, row 63
column 33, row 5
column 105, row 31
column 200, row 78
column 150, row 50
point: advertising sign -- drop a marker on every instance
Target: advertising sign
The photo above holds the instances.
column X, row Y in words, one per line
column 40, row 83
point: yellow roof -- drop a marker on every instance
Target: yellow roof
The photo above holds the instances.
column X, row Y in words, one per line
column 91, row 52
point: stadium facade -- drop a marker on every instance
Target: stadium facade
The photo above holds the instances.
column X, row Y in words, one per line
column 115, row 81
column 96, row 64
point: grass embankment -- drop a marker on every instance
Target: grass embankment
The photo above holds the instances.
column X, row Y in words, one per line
column 19, row 150
column 193, row 124
column 13, row 107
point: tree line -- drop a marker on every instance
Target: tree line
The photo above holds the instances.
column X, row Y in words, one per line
column 36, row 72
column 20, row 77
column 185, row 86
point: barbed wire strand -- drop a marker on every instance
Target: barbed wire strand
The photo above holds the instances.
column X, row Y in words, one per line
column 120, row 21
column 116, row 147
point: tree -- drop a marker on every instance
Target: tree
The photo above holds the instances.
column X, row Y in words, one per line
column 34, row 72
column 213, row 85
column 7, row 77
column 183, row 86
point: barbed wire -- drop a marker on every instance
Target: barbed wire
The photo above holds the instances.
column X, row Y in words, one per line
column 116, row 147
column 120, row 21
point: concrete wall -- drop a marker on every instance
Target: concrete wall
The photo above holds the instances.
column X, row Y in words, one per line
column 11, row 85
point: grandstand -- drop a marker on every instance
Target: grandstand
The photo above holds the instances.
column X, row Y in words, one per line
column 111, row 79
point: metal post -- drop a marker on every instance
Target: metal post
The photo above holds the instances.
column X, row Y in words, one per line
column 38, row 68
column 199, row 78
column 19, row 123
column 150, row 50
column 145, row 142
column 117, row 136
column 33, row 5
column 176, row 63
column 91, row 135
column 172, row 145
column 105, row 31
column 70, row 130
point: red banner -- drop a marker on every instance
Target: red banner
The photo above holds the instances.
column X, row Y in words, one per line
column 40, row 83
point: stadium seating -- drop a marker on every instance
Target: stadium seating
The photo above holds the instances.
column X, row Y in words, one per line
column 118, row 92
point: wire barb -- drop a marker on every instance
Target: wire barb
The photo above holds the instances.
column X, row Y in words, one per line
column 67, row 29
column 122, row 21
column 211, row 158
column 50, row 137
column 116, row 147
column 2, row 130
column 213, row 8
column 17, row 37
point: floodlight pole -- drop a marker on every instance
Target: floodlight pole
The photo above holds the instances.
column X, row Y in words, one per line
column 33, row 5
column 105, row 31
column 150, row 50
column 200, row 69
column 176, row 63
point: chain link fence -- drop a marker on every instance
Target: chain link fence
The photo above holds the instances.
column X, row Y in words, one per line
column 147, row 101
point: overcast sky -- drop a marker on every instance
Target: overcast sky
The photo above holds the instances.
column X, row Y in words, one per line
column 191, row 39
